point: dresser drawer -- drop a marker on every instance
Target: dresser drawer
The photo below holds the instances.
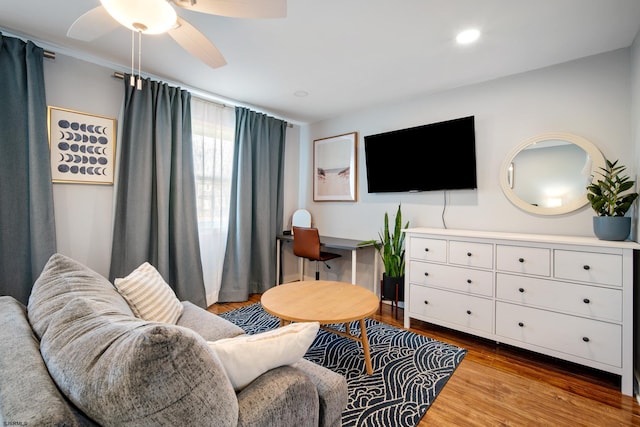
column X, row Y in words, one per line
column 479, row 282
column 464, row 310
column 605, row 269
column 525, row 260
column 583, row 300
column 428, row 249
column 471, row 254
column 585, row 338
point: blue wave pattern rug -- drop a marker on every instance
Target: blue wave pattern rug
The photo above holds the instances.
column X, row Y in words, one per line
column 409, row 369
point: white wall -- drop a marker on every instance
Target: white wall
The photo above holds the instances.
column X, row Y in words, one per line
column 83, row 213
column 635, row 118
column 589, row 97
column 291, row 186
column 635, row 137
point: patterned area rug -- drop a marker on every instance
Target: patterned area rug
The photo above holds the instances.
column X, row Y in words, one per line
column 409, row 369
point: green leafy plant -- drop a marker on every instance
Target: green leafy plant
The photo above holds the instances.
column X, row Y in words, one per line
column 391, row 245
column 607, row 195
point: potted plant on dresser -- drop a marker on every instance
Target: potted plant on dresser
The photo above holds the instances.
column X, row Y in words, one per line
column 391, row 250
column 611, row 198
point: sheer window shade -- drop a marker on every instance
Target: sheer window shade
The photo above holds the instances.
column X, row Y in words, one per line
column 213, row 128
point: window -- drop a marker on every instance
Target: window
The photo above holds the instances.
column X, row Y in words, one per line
column 213, row 128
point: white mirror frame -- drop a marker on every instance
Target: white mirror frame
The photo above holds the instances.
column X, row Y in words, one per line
column 506, row 174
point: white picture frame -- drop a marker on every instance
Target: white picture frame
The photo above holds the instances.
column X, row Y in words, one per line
column 335, row 168
column 82, row 147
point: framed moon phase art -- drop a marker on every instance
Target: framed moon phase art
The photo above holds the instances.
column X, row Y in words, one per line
column 82, row 147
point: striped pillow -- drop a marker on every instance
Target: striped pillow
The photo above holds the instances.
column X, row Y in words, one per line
column 149, row 296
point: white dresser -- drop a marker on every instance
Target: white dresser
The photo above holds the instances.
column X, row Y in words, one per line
column 567, row 297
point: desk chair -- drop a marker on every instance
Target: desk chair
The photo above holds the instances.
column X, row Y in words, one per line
column 306, row 244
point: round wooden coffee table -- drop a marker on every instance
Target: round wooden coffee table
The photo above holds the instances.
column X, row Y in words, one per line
column 325, row 302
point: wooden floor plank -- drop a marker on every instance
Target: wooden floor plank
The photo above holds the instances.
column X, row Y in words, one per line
column 499, row 385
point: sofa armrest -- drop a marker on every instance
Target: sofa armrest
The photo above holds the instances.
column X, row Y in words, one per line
column 28, row 395
column 284, row 397
column 332, row 392
column 209, row 326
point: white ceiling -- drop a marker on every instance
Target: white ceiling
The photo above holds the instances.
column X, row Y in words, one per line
column 348, row 54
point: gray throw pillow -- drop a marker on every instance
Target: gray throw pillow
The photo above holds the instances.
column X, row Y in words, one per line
column 125, row 371
column 63, row 279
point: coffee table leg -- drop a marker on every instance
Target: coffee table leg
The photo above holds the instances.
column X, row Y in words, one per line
column 365, row 347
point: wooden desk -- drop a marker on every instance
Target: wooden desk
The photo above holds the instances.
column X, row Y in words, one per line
column 326, row 302
column 328, row 243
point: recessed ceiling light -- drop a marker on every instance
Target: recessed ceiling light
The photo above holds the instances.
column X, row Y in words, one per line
column 301, row 93
column 468, row 36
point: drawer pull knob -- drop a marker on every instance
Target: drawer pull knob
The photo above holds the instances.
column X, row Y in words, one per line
column 426, row 249
column 521, row 290
column 468, row 311
column 426, row 302
column 426, row 274
column 586, row 267
column 468, row 280
column 585, row 339
column 521, row 324
column 520, row 259
column 586, row 300
column 468, row 253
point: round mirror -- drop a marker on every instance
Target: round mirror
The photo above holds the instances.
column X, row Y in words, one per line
column 548, row 174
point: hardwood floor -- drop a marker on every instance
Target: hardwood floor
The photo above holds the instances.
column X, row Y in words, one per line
column 498, row 385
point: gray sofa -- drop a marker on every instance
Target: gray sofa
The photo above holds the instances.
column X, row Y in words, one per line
column 78, row 356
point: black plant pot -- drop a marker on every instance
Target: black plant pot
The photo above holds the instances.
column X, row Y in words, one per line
column 390, row 285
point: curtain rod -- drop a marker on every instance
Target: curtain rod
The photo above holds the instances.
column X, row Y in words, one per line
column 49, row 55
column 119, row 75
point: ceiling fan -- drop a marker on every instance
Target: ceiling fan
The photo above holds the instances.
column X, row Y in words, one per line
column 159, row 16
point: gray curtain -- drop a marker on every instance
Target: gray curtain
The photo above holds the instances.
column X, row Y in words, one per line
column 27, row 228
column 255, row 216
column 155, row 215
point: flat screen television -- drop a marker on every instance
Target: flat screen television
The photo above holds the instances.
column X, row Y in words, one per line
column 436, row 156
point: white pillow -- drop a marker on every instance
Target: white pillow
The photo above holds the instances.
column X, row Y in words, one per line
column 246, row 357
column 149, row 296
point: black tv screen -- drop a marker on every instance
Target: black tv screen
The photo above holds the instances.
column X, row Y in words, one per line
column 437, row 156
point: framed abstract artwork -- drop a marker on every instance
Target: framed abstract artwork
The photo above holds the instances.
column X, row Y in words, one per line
column 82, row 147
column 334, row 168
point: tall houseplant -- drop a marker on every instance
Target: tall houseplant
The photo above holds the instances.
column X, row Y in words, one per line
column 391, row 250
column 611, row 198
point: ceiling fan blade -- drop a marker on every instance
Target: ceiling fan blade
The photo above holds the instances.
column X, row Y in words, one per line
column 237, row 8
column 197, row 44
column 93, row 24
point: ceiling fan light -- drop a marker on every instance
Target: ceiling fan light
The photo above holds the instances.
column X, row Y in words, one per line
column 147, row 16
column 468, row 36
